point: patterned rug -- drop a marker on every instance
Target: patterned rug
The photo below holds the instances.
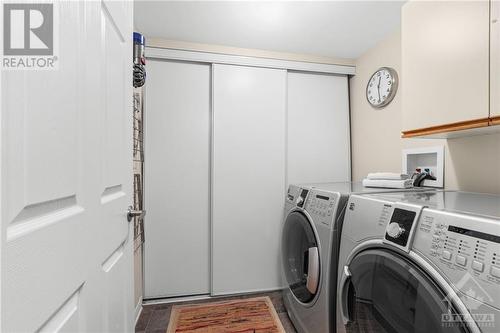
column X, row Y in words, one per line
column 251, row 315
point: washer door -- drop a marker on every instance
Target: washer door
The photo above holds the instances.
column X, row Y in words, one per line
column 301, row 257
column 386, row 292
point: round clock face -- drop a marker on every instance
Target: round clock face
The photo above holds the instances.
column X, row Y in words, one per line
column 381, row 87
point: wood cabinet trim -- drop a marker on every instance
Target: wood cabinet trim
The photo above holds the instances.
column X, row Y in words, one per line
column 495, row 121
column 459, row 126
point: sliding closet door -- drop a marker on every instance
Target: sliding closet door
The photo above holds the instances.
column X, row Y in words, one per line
column 177, row 175
column 248, row 177
column 318, row 128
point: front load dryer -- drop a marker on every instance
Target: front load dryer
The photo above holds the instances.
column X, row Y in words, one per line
column 420, row 263
column 310, row 241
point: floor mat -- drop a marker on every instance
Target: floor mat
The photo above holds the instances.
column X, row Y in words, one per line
column 251, row 315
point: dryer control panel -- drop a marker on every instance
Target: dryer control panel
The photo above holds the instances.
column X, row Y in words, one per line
column 466, row 249
column 321, row 206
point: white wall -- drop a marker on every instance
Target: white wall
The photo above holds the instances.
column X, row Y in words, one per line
column 471, row 163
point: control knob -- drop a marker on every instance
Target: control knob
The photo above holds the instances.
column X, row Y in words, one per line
column 394, row 230
column 299, row 201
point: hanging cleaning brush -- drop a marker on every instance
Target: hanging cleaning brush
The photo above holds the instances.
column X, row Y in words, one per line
column 139, row 71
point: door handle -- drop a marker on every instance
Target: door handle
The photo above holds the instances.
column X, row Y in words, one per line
column 343, row 295
column 312, row 270
column 131, row 213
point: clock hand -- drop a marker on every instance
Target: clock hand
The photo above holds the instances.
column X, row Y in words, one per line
column 378, row 88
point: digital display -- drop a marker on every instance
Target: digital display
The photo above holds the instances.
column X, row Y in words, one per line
column 322, row 197
column 476, row 234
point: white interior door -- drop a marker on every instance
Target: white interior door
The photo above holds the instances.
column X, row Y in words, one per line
column 177, row 227
column 318, row 128
column 66, row 164
column 248, row 177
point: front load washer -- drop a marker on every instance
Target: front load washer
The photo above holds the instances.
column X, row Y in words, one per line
column 420, row 263
column 309, row 251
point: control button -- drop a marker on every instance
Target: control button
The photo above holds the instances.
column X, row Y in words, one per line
column 446, row 255
column 436, row 238
column 461, row 260
column 495, row 271
column 477, row 266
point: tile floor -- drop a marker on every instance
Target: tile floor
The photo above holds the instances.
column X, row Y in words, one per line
column 155, row 317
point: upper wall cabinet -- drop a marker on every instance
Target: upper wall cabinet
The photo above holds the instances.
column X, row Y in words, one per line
column 495, row 63
column 445, row 66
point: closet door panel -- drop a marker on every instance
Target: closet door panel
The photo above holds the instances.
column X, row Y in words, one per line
column 177, row 176
column 318, row 128
column 248, row 177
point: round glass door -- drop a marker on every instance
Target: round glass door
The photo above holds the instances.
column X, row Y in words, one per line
column 300, row 257
column 388, row 293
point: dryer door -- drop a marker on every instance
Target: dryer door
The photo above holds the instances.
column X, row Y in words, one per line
column 301, row 257
column 381, row 291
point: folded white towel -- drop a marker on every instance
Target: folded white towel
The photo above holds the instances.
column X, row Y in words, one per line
column 387, row 175
column 402, row 183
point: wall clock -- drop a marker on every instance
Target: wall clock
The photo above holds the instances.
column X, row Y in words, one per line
column 382, row 87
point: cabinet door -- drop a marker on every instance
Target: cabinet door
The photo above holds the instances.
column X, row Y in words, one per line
column 318, row 128
column 445, row 62
column 495, row 62
column 177, row 224
column 248, row 177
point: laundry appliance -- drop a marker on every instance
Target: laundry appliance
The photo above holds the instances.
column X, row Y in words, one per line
column 310, row 241
column 420, row 262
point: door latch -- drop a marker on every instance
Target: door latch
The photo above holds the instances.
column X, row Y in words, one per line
column 131, row 213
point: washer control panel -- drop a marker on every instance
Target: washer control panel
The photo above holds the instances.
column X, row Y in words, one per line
column 401, row 226
column 467, row 251
column 398, row 229
column 321, row 206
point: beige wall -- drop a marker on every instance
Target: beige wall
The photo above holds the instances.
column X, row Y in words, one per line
column 471, row 163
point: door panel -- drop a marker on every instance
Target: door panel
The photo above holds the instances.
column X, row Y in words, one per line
column 248, row 178
column 298, row 240
column 318, row 128
column 177, row 227
column 387, row 293
column 58, row 232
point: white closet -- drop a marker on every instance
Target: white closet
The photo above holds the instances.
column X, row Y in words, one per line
column 223, row 140
column 318, row 128
column 249, row 106
column 177, row 179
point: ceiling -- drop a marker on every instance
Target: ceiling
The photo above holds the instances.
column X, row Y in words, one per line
column 335, row 28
